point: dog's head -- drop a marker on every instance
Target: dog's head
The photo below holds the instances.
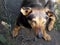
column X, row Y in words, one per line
column 37, row 18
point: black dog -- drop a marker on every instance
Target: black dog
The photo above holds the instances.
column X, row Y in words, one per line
column 36, row 17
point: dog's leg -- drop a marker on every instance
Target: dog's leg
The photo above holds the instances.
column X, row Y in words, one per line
column 15, row 30
column 45, row 35
column 51, row 23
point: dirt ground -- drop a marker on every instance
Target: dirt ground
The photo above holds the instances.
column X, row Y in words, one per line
column 27, row 37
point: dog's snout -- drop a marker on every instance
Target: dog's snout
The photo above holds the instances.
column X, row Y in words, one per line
column 39, row 33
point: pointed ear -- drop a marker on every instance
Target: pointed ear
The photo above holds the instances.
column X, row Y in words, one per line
column 26, row 10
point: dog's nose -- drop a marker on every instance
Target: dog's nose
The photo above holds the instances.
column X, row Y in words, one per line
column 39, row 35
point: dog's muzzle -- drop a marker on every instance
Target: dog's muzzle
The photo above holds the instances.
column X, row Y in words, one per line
column 39, row 35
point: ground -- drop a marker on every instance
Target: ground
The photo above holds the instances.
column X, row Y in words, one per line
column 27, row 37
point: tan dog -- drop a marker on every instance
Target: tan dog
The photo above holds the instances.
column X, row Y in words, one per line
column 37, row 18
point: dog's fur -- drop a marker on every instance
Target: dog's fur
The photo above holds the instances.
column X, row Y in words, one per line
column 32, row 16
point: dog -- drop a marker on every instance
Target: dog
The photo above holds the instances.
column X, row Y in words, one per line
column 37, row 19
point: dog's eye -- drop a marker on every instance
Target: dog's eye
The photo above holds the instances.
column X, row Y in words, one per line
column 44, row 22
column 34, row 21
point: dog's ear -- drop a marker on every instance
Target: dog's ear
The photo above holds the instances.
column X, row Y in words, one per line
column 26, row 10
column 50, row 13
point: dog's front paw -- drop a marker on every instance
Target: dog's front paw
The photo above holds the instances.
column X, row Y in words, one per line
column 14, row 33
column 47, row 37
column 50, row 27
